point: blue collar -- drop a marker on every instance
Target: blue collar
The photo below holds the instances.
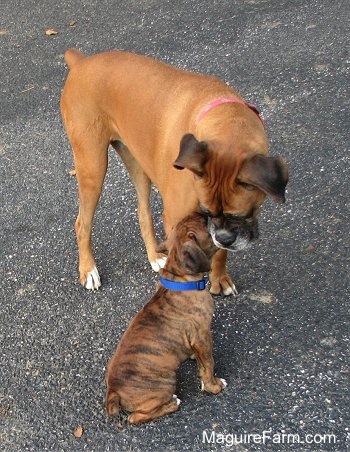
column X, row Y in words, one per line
column 188, row 285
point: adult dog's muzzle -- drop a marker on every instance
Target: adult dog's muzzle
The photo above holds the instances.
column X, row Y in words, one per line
column 233, row 235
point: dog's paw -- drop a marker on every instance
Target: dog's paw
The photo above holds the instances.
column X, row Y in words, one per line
column 222, row 284
column 158, row 263
column 231, row 290
column 214, row 388
column 93, row 281
column 223, row 382
column 177, row 400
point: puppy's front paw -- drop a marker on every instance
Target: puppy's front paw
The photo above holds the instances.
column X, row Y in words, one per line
column 216, row 387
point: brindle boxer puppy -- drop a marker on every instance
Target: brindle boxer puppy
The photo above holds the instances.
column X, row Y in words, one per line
column 149, row 111
column 173, row 325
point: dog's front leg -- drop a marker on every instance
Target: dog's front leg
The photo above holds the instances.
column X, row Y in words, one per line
column 142, row 185
column 204, row 356
column 220, row 281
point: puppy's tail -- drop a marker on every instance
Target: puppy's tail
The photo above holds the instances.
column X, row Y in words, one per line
column 112, row 403
column 72, row 56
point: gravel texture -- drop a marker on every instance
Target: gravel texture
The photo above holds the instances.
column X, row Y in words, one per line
column 283, row 343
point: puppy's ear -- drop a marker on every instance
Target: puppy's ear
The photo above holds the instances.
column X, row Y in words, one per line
column 193, row 155
column 163, row 248
column 194, row 258
column 269, row 174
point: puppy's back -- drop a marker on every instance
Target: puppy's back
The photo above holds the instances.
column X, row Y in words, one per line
column 150, row 351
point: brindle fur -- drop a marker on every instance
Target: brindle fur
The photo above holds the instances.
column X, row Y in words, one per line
column 171, row 327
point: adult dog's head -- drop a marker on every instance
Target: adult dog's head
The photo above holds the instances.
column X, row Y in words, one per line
column 231, row 187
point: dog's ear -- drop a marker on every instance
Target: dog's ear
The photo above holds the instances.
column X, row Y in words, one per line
column 269, row 174
column 193, row 155
column 194, row 258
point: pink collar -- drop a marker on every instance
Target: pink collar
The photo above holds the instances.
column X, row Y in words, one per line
column 225, row 100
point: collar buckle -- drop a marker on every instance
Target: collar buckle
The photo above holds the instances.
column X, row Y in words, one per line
column 201, row 284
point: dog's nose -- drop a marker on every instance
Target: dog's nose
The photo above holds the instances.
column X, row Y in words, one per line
column 225, row 238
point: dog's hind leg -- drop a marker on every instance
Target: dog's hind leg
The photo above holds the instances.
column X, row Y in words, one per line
column 142, row 185
column 112, row 403
column 139, row 416
column 91, row 159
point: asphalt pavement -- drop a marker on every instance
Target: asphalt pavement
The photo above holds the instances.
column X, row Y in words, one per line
column 283, row 343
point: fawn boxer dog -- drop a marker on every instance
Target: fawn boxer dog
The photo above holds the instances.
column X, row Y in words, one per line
column 172, row 326
column 160, row 120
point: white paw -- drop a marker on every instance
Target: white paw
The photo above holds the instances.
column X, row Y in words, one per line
column 178, row 401
column 224, row 382
column 158, row 263
column 93, row 280
column 231, row 291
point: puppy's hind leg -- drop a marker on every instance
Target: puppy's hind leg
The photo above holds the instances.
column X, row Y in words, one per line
column 142, row 185
column 138, row 417
column 112, row 403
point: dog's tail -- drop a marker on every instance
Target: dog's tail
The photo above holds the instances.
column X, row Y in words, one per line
column 112, row 403
column 72, row 56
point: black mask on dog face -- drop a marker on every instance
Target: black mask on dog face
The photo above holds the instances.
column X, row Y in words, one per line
column 231, row 232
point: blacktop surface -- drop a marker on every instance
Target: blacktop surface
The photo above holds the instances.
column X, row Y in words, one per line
column 283, row 343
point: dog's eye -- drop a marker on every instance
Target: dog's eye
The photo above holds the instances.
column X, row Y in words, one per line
column 231, row 217
column 246, row 186
column 206, row 212
column 247, row 218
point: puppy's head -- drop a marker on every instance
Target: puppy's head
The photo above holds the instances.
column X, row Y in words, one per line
column 189, row 246
column 231, row 187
